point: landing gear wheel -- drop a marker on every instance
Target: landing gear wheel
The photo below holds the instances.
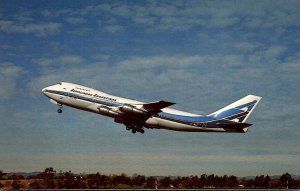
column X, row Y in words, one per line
column 142, row 131
column 133, row 131
column 128, row 128
column 59, row 111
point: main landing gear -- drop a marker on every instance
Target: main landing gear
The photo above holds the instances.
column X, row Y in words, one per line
column 135, row 129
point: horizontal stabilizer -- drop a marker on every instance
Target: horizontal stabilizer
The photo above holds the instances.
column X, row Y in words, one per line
column 234, row 125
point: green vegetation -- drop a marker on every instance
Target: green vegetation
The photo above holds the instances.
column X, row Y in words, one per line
column 50, row 179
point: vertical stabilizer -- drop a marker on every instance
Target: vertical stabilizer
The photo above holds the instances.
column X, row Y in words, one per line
column 238, row 111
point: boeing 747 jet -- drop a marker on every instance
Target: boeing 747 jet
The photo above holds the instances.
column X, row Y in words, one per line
column 138, row 116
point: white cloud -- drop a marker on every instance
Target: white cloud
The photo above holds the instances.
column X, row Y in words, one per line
column 161, row 16
column 247, row 46
column 9, row 74
column 291, row 67
column 75, row 20
column 24, row 17
column 60, row 60
column 38, row 29
column 176, row 62
column 112, row 28
column 275, row 51
column 56, row 69
column 102, row 57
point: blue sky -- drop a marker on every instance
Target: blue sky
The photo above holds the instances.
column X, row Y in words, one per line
column 202, row 55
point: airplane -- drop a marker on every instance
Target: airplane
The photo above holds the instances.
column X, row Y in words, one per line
column 138, row 116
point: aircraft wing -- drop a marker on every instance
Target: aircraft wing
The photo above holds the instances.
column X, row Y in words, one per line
column 146, row 109
column 155, row 107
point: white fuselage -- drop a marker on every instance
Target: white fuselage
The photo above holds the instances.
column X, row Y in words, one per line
column 91, row 100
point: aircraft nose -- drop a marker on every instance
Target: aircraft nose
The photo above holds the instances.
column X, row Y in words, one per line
column 43, row 90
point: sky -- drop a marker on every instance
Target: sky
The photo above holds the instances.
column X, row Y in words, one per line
column 202, row 55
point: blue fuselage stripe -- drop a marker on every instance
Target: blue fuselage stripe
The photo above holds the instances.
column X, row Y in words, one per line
column 187, row 118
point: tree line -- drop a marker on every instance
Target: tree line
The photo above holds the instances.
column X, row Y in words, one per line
column 50, row 179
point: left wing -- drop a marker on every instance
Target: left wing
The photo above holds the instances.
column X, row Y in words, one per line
column 135, row 115
column 146, row 109
column 155, row 107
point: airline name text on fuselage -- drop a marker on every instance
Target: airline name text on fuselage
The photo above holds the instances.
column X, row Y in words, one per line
column 89, row 94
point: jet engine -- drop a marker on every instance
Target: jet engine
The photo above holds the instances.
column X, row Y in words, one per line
column 107, row 111
column 130, row 109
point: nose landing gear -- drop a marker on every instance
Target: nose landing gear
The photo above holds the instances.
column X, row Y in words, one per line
column 59, row 110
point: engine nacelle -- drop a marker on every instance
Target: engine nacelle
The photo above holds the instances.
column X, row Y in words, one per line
column 107, row 111
column 132, row 110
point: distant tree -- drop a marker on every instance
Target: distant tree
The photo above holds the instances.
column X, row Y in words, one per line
column 151, row 182
column 38, row 176
column 68, row 180
column 182, row 182
column 249, row 183
column 91, row 184
column 232, row 182
column 275, row 184
column 60, row 184
column 138, row 180
column 83, row 185
column 91, row 181
column 76, row 184
column 297, row 183
column 97, row 180
column 48, row 176
column 34, row 185
column 187, row 182
column 1, row 175
column 15, row 176
column 178, row 182
column 258, row 181
column 210, row 180
column 202, row 180
column 285, row 179
column 243, row 182
column 267, row 182
column 165, row 182
column 121, row 179
column 220, row 181
column 194, row 181
column 16, row 185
